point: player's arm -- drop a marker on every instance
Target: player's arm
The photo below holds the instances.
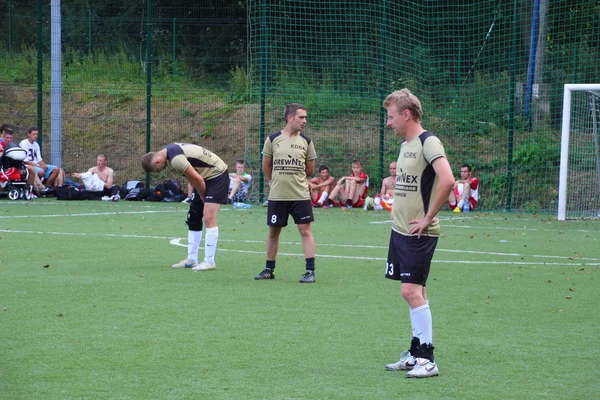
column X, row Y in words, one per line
column 267, row 166
column 197, row 181
column 327, row 182
column 310, row 167
column 442, row 169
column 109, row 179
column 383, row 188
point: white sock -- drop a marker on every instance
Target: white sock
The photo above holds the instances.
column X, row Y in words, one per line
column 323, row 197
column 420, row 318
column 194, row 239
column 460, row 204
column 210, row 244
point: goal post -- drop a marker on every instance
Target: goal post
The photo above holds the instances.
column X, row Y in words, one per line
column 579, row 178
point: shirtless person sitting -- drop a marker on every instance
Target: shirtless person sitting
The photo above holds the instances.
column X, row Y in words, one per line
column 321, row 186
column 100, row 179
column 385, row 198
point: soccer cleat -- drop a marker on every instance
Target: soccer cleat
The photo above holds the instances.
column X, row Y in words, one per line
column 308, row 277
column 407, row 358
column 186, row 263
column 187, row 200
column 116, row 197
column 317, row 205
column 424, row 368
column 204, row 266
column 456, row 209
column 407, row 362
column 106, row 198
column 265, row 274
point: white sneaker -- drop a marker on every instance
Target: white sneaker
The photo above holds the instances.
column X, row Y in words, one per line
column 116, row 197
column 185, row 263
column 204, row 266
column 187, row 200
column 407, row 362
column 423, row 369
column 106, row 198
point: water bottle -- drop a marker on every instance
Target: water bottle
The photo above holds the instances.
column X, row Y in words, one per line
column 466, row 207
column 241, row 205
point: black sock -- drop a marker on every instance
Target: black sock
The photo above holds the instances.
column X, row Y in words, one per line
column 270, row 265
column 310, row 264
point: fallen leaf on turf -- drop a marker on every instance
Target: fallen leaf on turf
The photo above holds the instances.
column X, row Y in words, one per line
column 568, row 297
column 47, row 266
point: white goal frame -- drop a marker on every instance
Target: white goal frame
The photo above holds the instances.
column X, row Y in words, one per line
column 564, row 142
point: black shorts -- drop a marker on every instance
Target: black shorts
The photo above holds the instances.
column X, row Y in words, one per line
column 217, row 189
column 409, row 258
column 216, row 192
column 300, row 210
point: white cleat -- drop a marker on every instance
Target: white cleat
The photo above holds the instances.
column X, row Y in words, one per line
column 407, row 362
column 423, row 369
column 185, row 263
column 204, row 266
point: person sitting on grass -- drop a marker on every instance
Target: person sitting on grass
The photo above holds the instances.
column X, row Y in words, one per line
column 321, row 186
column 464, row 195
column 239, row 183
column 100, row 179
column 352, row 189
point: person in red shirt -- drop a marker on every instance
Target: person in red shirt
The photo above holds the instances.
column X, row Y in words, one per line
column 352, row 189
column 465, row 191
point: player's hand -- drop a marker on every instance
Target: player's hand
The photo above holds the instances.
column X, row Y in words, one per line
column 419, row 225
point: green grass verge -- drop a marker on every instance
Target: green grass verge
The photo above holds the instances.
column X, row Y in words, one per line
column 90, row 307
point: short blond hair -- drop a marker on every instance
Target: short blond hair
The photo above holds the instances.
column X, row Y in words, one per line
column 405, row 100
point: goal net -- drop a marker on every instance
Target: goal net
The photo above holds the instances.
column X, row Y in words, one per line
column 579, row 184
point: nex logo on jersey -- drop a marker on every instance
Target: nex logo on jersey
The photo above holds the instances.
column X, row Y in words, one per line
column 402, row 177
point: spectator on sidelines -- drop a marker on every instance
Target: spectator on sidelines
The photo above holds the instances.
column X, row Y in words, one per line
column 352, row 189
column 207, row 173
column 6, row 137
column 321, row 186
column 100, row 179
column 239, row 183
column 50, row 175
column 385, row 198
column 464, row 195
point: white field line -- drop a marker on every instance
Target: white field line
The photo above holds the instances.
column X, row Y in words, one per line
column 177, row 242
column 89, row 214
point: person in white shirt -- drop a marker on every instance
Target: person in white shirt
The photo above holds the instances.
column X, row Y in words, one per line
column 239, row 183
column 53, row 175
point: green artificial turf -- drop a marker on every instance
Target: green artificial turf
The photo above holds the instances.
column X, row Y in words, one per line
column 90, row 307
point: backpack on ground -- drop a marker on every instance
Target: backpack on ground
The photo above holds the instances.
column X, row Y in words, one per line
column 129, row 186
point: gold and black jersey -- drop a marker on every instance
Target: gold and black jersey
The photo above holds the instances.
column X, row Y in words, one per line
column 289, row 155
column 181, row 155
column 416, row 182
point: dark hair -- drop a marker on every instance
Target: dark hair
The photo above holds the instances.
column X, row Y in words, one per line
column 290, row 110
column 241, row 162
column 6, row 127
column 467, row 166
column 323, row 167
column 33, row 128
